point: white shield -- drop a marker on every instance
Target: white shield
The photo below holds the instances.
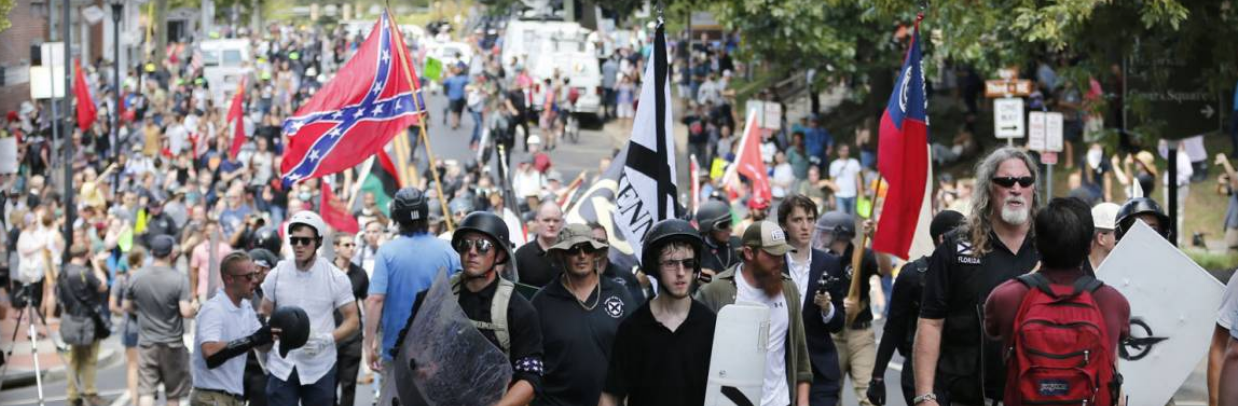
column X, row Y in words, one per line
column 1171, row 298
column 737, row 362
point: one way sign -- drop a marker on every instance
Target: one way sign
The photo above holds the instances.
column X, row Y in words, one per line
column 1008, row 117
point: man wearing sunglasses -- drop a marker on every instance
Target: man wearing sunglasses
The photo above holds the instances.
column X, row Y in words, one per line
column 580, row 313
column 482, row 242
column 348, row 362
column 714, row 220
column 308, row 374
column 953, row 363
column 227, row 329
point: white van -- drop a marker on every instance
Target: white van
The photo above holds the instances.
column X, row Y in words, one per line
column 224, row 63
column 544, row 46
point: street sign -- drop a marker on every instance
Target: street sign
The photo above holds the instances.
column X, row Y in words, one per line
column 1007, row 88
column 1172, row 81
column 1008, row 117
column 1048, row 158
column 1053, row 132
column 1036, row 131
column 46, row 83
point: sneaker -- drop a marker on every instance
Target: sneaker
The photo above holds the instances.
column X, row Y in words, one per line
column 95, row 400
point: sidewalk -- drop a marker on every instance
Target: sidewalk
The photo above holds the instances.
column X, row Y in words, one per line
column 20, row 366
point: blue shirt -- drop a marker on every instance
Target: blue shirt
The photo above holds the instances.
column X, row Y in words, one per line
column 454, row 86
column 404, row 267
column 816, row 140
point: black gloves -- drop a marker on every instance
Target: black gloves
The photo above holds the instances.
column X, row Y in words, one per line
column 877, row 391
column 239, row 347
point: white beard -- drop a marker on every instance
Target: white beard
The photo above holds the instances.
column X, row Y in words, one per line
column 1016, row 217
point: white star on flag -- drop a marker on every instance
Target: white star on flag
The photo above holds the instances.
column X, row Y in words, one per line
column 378, row 109
column 335, row 133
column 313, row 155
column 360, row 112
column 336, row 115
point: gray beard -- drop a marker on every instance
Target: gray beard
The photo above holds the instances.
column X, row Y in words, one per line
column 1015, row 217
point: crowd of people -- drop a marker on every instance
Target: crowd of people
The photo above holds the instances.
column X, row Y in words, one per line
column 230, row 289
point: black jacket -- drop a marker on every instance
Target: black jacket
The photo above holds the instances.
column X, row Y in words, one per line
column 826, row 374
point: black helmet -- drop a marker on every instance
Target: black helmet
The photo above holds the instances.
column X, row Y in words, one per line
column 710, row 214
column 268, row 239
column 1141, row 205
column 665, row 232
column 294, row 324
column 486, row 223
column 840, row 225
column 264, row 258
column 409, row 205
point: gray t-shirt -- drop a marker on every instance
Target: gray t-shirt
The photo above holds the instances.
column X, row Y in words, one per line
column 156, row 293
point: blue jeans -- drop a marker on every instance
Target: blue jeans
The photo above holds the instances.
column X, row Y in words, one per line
column 846, row 204
column 292, row 391
column 477, row 124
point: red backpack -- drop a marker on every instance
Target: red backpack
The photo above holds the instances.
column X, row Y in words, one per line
column 1060, row 351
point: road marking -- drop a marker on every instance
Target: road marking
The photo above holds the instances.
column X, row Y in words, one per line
column 1190, row 403
column 122, row 400
column 60, row 398
column 897, row 366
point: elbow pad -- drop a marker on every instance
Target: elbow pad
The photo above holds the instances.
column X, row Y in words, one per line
column 239, row 347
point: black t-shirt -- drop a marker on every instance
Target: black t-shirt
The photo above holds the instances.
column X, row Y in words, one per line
column 524, row 330
column 868, row 266
column 955, row 288
column 651, row 365
column 536, row 267
column 578, row 341
column 360, row 287
column 626, row 280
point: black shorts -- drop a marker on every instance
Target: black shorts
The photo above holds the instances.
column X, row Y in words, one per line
column 457, row 106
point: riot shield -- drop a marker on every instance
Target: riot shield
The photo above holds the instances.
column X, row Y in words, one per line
column 445, row 361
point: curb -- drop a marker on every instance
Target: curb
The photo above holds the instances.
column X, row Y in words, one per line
column 109, row 356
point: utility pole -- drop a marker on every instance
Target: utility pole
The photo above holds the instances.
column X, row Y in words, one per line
column 70, row 211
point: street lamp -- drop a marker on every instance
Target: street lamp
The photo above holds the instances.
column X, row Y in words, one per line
column 118, row 7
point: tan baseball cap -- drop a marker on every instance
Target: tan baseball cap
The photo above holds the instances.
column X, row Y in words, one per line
column 767, row 236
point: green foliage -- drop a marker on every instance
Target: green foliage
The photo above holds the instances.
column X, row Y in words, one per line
column 6, row 6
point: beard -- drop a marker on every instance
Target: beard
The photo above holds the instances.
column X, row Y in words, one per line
column 769, row 282
column 1016, row 217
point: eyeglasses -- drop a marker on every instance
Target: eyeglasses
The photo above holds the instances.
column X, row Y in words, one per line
column 252, row 276
column 1010, row 181
column 483, row 246
column 579, row 248
column 723, row 225
column 301, row 240
column 689, row 263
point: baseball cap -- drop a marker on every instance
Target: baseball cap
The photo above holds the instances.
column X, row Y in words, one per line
column 767, row 236
column 1104, row 216
column 758, row 203
column 162, row 245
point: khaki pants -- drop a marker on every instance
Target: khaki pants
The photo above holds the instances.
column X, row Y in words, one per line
column 213, row 398
column 83, row 364
column 857, row 352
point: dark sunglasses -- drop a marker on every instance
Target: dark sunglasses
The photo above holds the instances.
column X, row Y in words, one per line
column 483, row 246
column 252, row 276
column 579, row 248
column 723, row 225
column 301, row 240
column 1010, row 181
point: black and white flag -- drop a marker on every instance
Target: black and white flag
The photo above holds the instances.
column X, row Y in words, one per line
column 647, row 190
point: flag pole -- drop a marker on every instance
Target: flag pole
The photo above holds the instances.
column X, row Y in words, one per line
column 857, row 254
column 425, row 139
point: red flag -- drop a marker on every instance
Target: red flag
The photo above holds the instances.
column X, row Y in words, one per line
column 749, row 163
column 236, row 113
column 372, row 98
column 903, row 157
column 86, row 110
column 335, row 214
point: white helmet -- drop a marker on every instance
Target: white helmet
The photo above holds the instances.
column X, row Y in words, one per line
column 1104, row 216
column 308, row 218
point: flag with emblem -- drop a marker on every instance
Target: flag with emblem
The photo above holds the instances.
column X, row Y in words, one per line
column 903, row 156
column 647, row 190
column 373, row 98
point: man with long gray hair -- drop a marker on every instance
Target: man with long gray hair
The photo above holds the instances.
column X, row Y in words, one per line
column 953, row 363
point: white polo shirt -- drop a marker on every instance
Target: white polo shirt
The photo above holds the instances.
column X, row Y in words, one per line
column 220, row 321
column 319, row 292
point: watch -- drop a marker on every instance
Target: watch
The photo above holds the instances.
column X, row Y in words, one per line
column 924, row 398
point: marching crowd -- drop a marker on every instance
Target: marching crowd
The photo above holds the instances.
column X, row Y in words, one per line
column 230, row 289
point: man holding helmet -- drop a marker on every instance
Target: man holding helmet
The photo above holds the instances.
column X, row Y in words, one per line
column 580, row 313
column 505, row 318
column 661, row 352
column 715, row 222
column 403, row 267
column 307, row 374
